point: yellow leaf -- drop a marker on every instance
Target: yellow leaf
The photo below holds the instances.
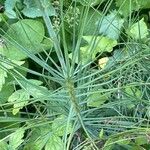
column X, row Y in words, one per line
column 102, row 62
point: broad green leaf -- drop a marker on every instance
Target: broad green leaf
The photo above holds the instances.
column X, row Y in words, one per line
column 123, row 140
column 34, row 89
column 2, row 1
column 138, row 30
column 19, row 63
column 8, row 65
column 6, row 91
column 109, row 144
column 54, row 143
column 37, row 91
column 28, row 34
column 30, row 88
column 141, row 140
column 135, row 92
column 15, row 53
column 3, row 145
column 15, row 139
column 137, row 147
column 20, row 99
column 126, row 7
column 37, row 145
column 111, row 25
column 27, row 31
column 97, row 99
column 94, row 45
column 45, row 44
column 32, row 9
column 9, row 8
column 59, row 126
column 1, row 17
column 30, row 83
column 3, row 75
column 99, row 45
column 85, row 55
column 39, row 137
column 91, row 25
column 101, row 133
column 132, row 93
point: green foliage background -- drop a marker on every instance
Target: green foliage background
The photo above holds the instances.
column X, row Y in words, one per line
column 74, row 75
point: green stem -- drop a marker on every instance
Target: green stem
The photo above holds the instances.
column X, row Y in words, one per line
column 72, row 94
